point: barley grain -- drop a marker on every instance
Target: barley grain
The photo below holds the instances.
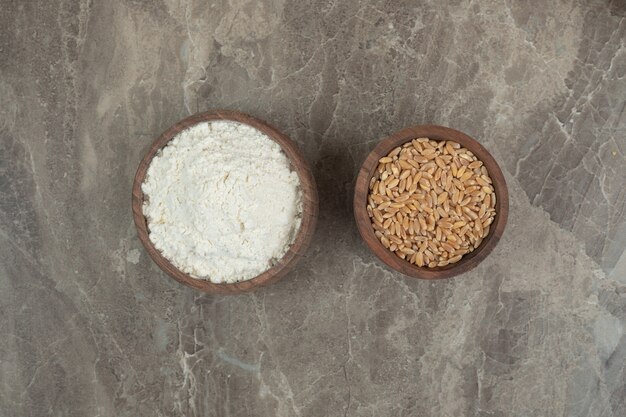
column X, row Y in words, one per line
column 431, row 202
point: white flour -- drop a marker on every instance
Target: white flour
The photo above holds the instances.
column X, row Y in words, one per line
column 221, row 201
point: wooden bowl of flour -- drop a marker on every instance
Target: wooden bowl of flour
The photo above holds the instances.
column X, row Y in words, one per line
column 309, row 201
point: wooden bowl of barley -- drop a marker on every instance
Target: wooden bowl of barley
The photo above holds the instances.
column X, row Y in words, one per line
column 370, row 174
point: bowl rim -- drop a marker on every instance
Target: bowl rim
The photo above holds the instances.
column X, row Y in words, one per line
column 309, row 204
column 361, row 191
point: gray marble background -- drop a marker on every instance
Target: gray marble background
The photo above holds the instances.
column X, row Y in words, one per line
column 91, row 327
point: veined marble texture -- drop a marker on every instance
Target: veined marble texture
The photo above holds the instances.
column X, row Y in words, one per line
column 91, row 327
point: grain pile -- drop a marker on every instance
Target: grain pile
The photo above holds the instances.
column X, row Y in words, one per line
column 431, row 202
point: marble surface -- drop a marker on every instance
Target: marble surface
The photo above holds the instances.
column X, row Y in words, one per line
column 91, row 327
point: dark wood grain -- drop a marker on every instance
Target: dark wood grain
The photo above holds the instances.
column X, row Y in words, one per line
column 364, row 225
column 309, row 211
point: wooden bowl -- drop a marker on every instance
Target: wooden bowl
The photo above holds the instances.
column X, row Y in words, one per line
column 309, row 205
column 364, row 224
